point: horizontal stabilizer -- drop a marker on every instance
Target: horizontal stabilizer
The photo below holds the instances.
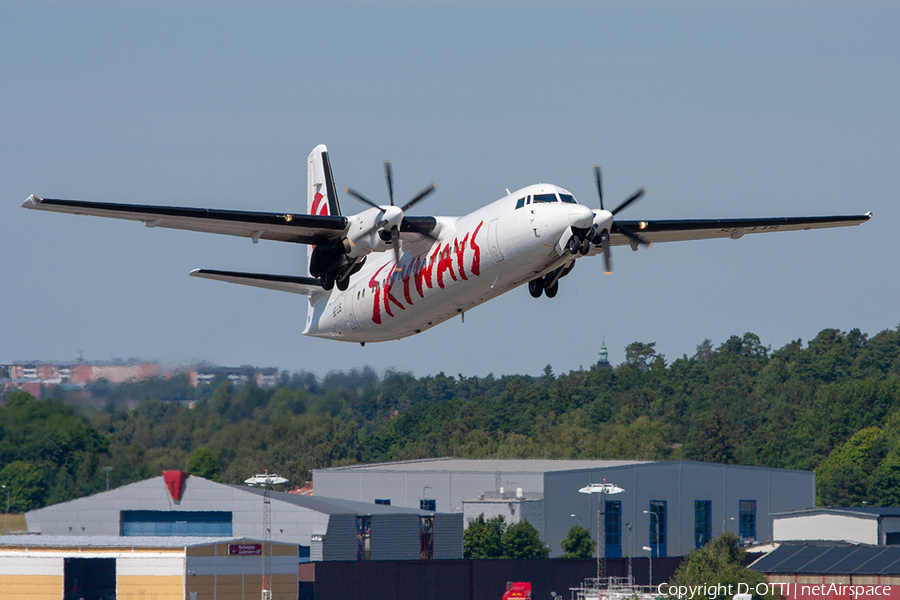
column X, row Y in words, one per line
column 283, row 283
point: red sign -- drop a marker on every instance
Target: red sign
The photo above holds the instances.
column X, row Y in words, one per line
column 244, row 549
column 175, row 482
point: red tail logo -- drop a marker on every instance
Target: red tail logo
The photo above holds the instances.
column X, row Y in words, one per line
column 319, row 205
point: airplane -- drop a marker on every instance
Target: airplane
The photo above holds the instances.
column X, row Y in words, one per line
column 382, row 275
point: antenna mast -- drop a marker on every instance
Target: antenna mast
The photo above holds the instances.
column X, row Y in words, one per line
column 266, row 481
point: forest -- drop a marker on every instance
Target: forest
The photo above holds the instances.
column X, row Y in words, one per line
column 831, row 405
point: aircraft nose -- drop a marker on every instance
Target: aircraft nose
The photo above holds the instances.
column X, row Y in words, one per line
column 581, row 216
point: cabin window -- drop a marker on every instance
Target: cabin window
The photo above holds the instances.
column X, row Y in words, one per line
column 544, row 198
column 520, row 202
column 568, row 198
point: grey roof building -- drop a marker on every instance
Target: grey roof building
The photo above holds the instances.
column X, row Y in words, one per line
column 871, row 525
column 324, row 528
column 671, row 507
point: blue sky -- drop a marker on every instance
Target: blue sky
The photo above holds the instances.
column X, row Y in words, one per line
column 732, row 109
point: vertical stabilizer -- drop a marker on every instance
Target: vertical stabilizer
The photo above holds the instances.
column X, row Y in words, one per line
column 321, row 197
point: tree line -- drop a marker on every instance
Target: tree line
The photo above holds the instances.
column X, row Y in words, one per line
column 830, row 404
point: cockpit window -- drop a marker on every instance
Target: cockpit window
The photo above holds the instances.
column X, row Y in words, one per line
column 544, row 198
column 520, row 202
column 568, row 198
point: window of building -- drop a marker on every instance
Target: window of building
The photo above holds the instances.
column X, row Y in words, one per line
column 364, row 538
column 612, row 519
column 658, row 528
column 175, row 523
column 383, row 501
column 425, row 504
column 747, row 520
column 702, row 522
column 426, row 538
column 892, row 538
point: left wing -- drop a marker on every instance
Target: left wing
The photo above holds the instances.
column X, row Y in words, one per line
column 700, row 229
column 283, row 227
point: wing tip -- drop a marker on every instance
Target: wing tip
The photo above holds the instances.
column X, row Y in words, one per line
column 32, row 201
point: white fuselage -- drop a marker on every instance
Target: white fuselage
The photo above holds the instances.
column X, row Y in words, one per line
column 476, row 258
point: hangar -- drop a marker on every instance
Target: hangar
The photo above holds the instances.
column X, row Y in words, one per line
column 176, row 504
column 669, row 506
column 168, row 568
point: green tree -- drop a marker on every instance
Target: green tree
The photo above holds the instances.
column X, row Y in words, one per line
column 25, row 482
column 640, row 356
column 720, row 448
column 203, row 463
column 483, row 538
column 719, row 562
column 577, row 543
column 522, row 540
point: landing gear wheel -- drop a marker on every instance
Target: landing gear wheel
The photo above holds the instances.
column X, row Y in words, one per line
column 551, row 290
column 585, row 247
column 328, row 282
column 536, row 287
column 574, row 245
column 343, row 284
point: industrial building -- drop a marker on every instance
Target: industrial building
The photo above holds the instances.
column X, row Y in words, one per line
column 164, row 568
column 871, row 525
column 176, row 504
column 669, row 507
column 813, row 564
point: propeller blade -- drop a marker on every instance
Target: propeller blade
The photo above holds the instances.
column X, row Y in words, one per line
column 633, row 236
column 390, row 180
column 631, row 199
column 395, row 242
column 360, row 197
column 599, row 185
column 419, row 197
column 607, row 255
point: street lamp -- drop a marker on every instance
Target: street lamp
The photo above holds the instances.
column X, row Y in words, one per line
column 654, row 528
column 723, row 523
column 630, row 528
column 6, row 516
column 601, row 489
column 107, row 469
column 647, row 548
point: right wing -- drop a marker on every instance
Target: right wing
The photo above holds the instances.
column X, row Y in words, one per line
column 308, row 286
column 702, row 229
column 283, row 227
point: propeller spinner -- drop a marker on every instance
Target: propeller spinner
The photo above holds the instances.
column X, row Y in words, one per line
column 392, row 216
column 603, row 222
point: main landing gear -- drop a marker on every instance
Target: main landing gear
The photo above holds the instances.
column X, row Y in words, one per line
column 549, row 283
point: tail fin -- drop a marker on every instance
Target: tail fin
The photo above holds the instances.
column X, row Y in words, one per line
column 321, row 197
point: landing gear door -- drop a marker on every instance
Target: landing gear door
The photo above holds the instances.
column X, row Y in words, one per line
column 493, row 242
